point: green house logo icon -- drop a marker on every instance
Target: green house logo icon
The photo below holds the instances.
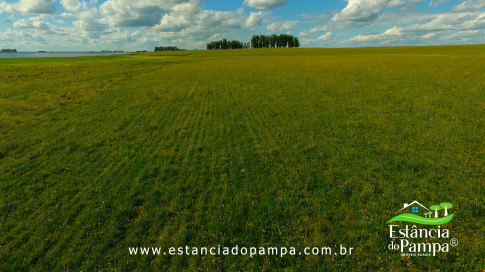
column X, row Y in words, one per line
column 416, row 212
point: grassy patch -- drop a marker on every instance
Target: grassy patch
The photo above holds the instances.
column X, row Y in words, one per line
column 290, row 147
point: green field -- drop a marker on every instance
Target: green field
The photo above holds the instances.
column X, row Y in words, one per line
column 271, row 147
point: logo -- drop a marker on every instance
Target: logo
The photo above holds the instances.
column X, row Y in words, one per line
column 422, row 215
column 427, row 240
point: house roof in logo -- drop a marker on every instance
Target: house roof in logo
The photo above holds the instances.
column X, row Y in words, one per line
column 412, row 203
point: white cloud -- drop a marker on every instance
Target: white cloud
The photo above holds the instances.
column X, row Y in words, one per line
column 67, row 15
column 11, row 36
column 434, row 3
column 395, row 31
column 428, row 36
column 466, row 33
column 203, row 21
column 319, row 29
column 74, row 5
column 284, row 26
column 470, row 5
column 128, row 13
column 135, row 25
column 29, row 7
column 391, row 32
column 325, row 37
column 361, row 12
column 476, row 22
column 256, row 18
column 180, row 17
column 446, row 21
column 265, row 4
column 403, row 3
column 304, row 34
column 91, row 23
column 39, row 24
column 462, row 36
column 199, row 27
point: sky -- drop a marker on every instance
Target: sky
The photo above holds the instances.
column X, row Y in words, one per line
column 130, row 25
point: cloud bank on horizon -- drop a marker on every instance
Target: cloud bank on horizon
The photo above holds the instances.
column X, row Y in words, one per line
column 31, row 25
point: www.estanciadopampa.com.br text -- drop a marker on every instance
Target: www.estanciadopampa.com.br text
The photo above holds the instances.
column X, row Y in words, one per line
column 241, row 251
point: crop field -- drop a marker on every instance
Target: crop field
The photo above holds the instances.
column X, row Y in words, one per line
column 254, row 148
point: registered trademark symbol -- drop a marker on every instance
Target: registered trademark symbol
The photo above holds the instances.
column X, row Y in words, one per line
column 454, row 242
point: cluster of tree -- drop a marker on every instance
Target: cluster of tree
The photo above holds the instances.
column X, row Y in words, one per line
column 167, row 48
column 257, row 41
column 225, row 44
column 8, row 50
column 274, row 41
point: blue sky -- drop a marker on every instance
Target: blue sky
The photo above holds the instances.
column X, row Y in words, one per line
column 68, row 25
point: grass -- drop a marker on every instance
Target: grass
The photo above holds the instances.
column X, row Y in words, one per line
column 289, row 147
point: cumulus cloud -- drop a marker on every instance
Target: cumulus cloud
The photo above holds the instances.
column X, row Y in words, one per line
column 198, row 27
column 265, row 4
column 319, row 29
column 181, row 16
column 325, row 37
column 67, row 15
column 256, row 18
column 361, row 12
column 284, row 26
column 10, row 36
column 428, row 36
column 128, row 13
column 445, row 21
column 464, row 34
column 470, row 5
column 391, row 32
column 74, row 5
column 403, row 3
column 39, row 24
column 128, row 24
column 91, row 23
column 29, row 7
column 193, row 20
column 434, row 3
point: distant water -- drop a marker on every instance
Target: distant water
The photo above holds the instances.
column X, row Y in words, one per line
column 57, row 54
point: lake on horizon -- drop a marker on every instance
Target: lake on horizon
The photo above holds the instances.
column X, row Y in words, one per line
column 57, row 54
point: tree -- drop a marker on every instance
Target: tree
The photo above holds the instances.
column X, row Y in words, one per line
column 296, row 42
column 272, row 40
column 282, row 41
column 225, row 44
column 167, row 48
column 255, row 41
column 291, row 42
column 435, row 208
column 8, row 50
column 446, row 206
column 264, row 41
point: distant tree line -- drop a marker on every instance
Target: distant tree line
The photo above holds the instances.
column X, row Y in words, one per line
column 225, row 44
column 274, row 41
column 167, row 48
column 8, row 50
column 257, row 41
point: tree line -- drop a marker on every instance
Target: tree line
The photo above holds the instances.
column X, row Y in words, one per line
column 274, row 41
column 8, row 50
column 257, row 41
column 225, row 44
column 167, row 48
